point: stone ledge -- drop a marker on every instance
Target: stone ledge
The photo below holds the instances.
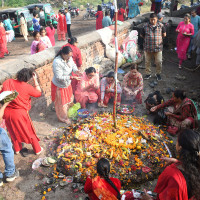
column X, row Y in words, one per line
column 8, row 70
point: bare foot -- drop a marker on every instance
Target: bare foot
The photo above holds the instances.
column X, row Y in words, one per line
column 68, row 122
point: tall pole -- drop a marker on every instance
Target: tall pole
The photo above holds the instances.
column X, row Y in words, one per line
column 116, row 66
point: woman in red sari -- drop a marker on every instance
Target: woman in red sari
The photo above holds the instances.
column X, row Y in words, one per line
column 181, row 111
column 72, row 42
column 3, row 41
column 99, row 18
column 133, row 85
column 18, row 121
column 102, row 186
column 181, row 180
column 62, row 26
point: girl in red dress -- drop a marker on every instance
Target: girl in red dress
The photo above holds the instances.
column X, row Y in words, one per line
column 99, row 18
column 3, row 41
column 181, row 180
column 50, row 32
column 102, row 187
column 72, row 42
column 18, row 121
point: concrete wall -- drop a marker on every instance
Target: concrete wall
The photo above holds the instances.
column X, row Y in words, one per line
column 92, row 50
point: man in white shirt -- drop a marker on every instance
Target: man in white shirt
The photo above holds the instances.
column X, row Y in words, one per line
column 68, row 20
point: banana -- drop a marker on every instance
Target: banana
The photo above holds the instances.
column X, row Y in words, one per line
column 124, row 157
column 125, row 149
column 92, row 146
column 67, row 147
column 79, row 149
column 118, row 158
column 79, row 164
column 136, row 141
column 66, row 159
column 111, row 154
column 73, row 157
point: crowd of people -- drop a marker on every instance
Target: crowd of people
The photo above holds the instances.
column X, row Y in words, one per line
column 132, row 10
column 179, row 180
column 68, row 82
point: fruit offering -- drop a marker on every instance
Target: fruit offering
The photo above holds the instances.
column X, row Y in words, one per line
column 134, row 148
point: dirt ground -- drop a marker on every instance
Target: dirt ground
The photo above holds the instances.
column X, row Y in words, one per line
column 46, row 122
column 19, row 47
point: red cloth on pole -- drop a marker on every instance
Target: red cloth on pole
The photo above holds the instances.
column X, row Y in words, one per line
column 3, row 42
column 99, row 19
column 18, row 121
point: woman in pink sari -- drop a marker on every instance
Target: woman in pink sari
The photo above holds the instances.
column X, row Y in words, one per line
column 185, row 30
column 88, row 88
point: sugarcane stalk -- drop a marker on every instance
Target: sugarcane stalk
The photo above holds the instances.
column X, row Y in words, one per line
column 116, row 66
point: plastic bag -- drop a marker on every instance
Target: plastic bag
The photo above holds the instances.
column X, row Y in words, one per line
column 110, row 53
column 72, row 112
column 130, row 46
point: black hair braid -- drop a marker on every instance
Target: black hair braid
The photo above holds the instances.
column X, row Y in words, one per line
column 190, row 158
column 106, row 176
column 191, row 163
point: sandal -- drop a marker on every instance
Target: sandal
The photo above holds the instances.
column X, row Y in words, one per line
column 104, row 106
column 24, row 152
column 99, row 105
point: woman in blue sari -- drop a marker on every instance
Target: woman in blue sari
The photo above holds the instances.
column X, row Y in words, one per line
column 133, row 6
